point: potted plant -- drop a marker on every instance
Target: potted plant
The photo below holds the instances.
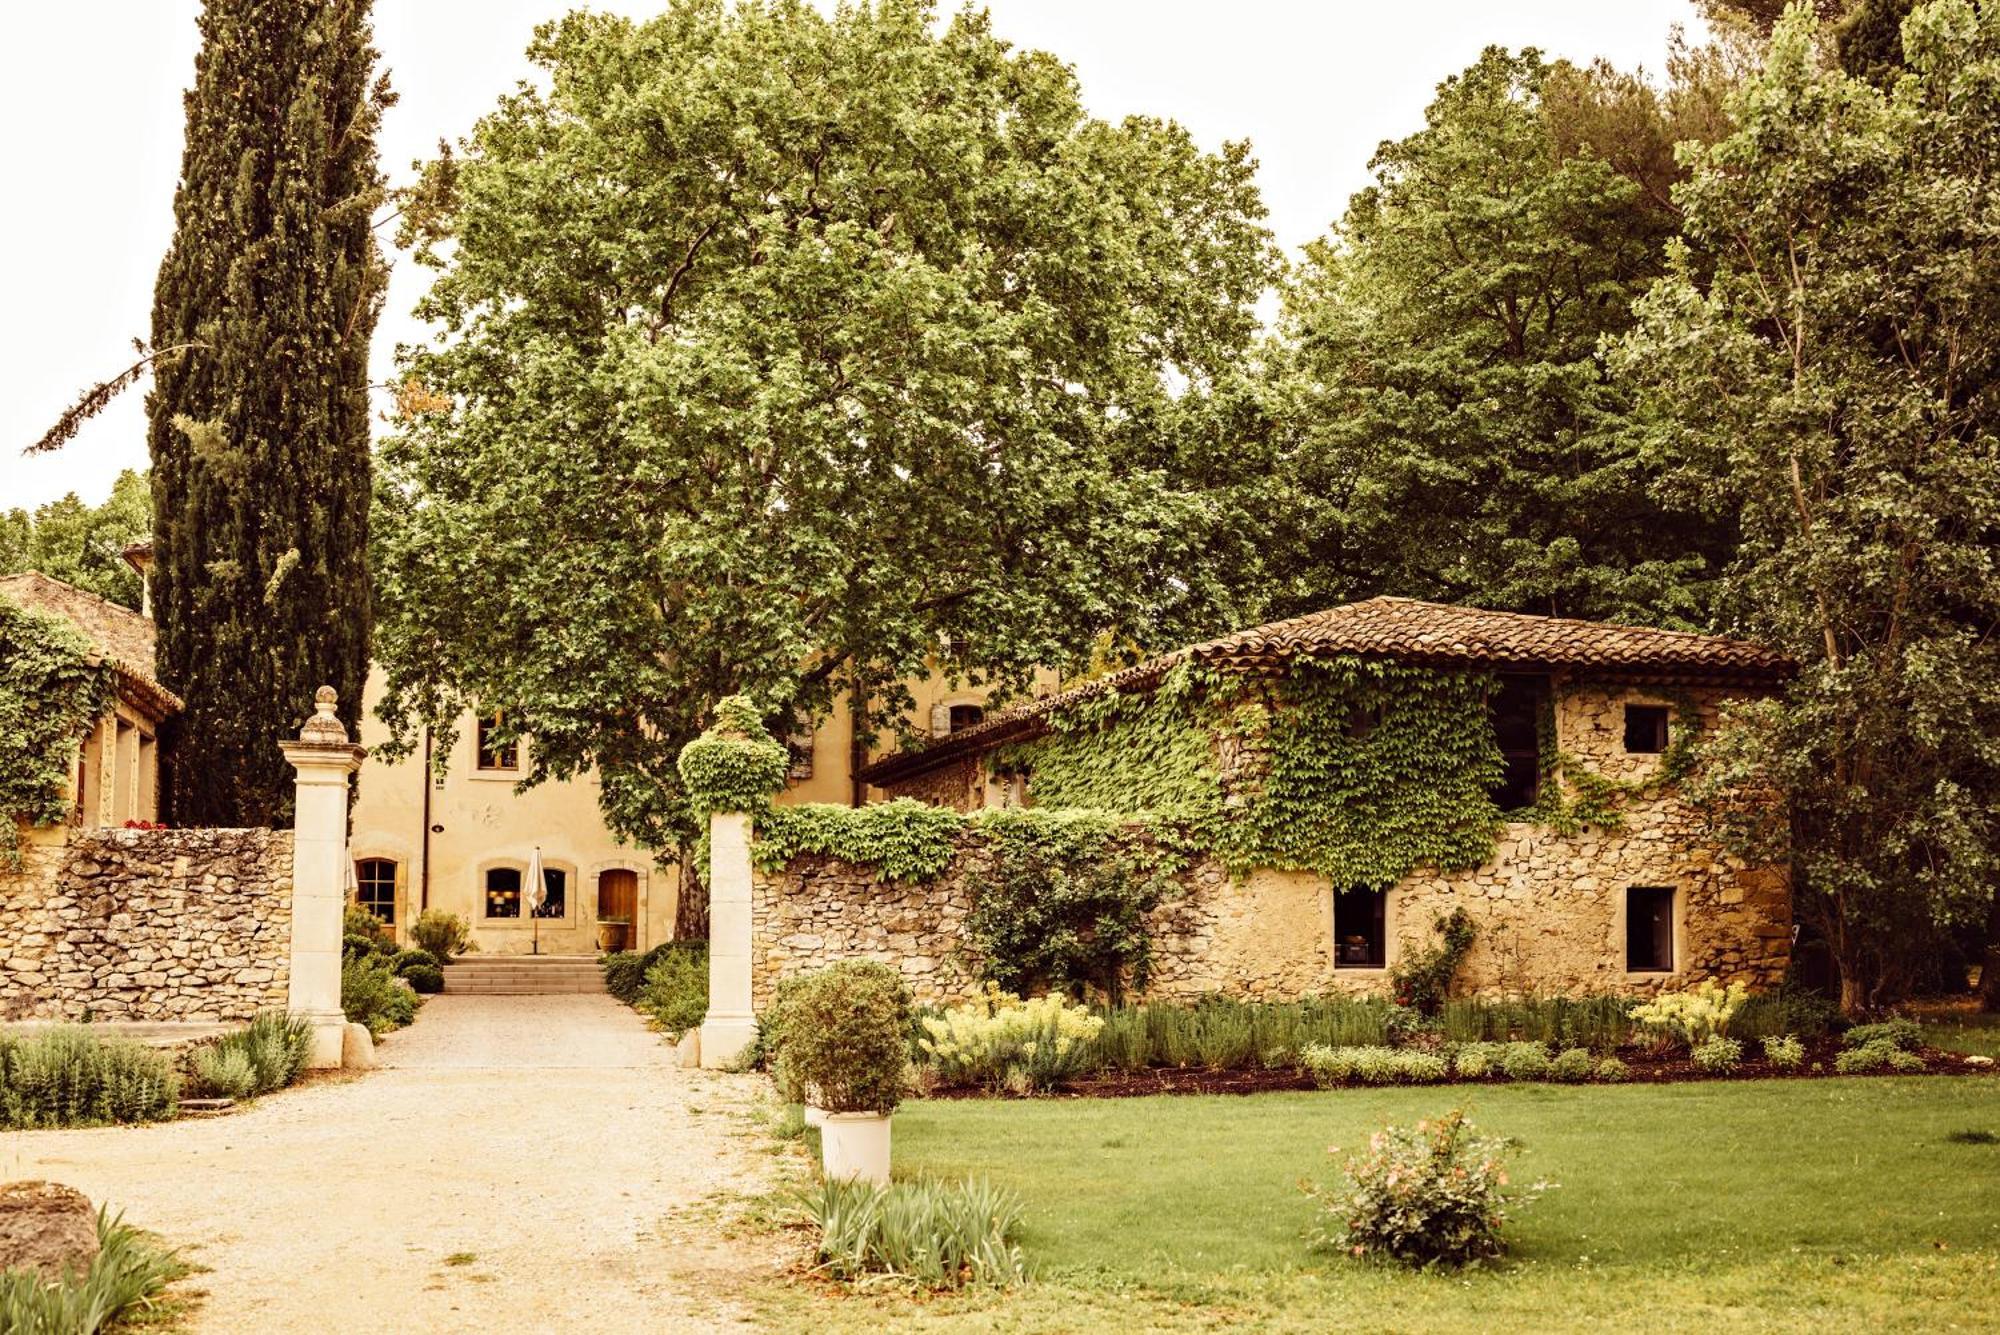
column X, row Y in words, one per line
column 613, row 934
column 841, row 1041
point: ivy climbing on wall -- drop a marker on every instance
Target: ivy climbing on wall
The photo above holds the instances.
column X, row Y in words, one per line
column 1372, row 768
column 1151, row 752
column 50, row 693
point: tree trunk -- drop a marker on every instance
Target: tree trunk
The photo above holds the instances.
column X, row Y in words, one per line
column 1989, row 966
column 691, row 905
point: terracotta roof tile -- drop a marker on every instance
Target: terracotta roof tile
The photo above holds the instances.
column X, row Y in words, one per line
column 122, row 636
column 1401, row 628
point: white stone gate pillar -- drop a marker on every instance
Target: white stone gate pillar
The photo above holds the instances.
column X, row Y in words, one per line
column 324, row 759
column 731, row 1025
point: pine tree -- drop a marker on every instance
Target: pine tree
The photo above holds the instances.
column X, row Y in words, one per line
column 259, row 433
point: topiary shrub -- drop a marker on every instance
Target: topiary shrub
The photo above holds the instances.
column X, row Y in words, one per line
column 443, row 935
column 404, row 960
column 735, row 765
column 424, row 979
column 1429, row 1195
column 842, row 1037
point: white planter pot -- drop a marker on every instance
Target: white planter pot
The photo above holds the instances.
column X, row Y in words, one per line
column 855, row 1146
column 815, row 1116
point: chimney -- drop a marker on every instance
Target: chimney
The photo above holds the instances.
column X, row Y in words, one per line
column 139, row 556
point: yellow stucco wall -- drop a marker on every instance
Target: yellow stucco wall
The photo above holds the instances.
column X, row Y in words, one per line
column 478, row 821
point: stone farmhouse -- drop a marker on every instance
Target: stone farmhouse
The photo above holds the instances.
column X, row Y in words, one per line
column 1632, row 894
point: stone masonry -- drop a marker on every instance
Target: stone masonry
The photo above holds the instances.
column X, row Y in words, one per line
column 1550, row 907
column 147, row 925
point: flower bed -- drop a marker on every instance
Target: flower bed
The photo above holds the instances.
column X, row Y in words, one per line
column 1000, row 1045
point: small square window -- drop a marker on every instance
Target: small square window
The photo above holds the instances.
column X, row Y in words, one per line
column 1646, row 729
column 1649, row 929
column 962, row 717
column 1360, row 929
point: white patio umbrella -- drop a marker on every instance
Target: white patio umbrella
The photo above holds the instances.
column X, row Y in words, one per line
column 533, row 895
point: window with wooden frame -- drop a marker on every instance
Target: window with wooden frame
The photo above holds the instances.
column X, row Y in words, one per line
column 1646, row 729
column 1361, row 929
column 1649, row 929
column 495, row 754
column 1516, row 710
column 375, row 888
column 962, row 717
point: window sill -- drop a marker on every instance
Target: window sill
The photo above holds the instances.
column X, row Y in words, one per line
column 495, row 776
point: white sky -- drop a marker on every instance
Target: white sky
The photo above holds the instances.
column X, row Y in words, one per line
column 90, row 91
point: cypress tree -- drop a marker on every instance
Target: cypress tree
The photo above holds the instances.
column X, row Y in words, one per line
column 259, row 433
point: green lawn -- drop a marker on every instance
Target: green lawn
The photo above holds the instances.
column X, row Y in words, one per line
column 1822, row 1204
column 1965, row 1031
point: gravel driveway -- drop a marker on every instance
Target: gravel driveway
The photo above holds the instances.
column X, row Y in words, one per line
column 521, row 1164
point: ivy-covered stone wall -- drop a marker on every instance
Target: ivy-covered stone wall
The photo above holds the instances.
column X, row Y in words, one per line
column 1548, row 901
column 147, row 925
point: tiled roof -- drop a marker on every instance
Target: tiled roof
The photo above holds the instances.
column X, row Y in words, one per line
column 121, row 636
column 1402, row 628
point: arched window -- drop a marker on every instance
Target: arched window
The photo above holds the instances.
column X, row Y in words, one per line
column 503, row 892
column 375, row 887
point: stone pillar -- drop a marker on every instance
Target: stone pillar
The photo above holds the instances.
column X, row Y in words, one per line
column 324, row 759
column 731, row 1025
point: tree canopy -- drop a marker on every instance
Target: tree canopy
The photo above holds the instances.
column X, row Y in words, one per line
column 787, row 353
column 82, row 544
column 1831, row 380
column 1446, row 423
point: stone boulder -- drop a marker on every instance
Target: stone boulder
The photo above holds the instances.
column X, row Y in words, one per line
column 46, row 1227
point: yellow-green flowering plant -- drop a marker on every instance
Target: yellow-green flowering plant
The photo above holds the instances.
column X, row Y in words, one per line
column 1002, row 1041
column 1696, row 1015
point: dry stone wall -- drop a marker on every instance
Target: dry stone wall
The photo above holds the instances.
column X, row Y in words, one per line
column 1550, row 907
column 148, row 925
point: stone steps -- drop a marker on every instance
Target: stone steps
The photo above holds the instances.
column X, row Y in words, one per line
column 523, row 975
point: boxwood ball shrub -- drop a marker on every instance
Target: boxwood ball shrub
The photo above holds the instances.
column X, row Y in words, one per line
column 1429, row 1195
column 842, row 1037
column 424, row 978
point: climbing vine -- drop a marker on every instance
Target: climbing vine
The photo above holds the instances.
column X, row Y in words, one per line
column 1571, row 795
column 904, row 840
column 1372, row 768
column 735, row 765
column 1150, row 752
column 50, row 693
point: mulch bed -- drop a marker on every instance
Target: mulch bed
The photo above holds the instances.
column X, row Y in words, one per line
column 1641, row 1068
